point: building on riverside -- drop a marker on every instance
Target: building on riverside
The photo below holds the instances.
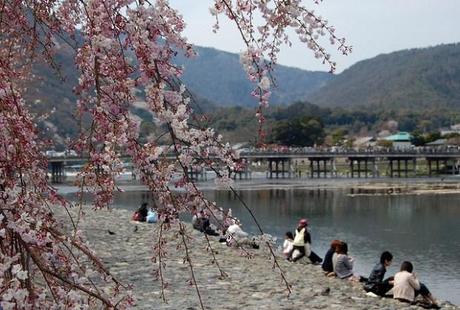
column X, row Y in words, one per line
column 400, row 140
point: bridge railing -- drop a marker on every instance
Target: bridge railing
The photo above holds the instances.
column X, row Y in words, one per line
column 305, row 152
column 351, row 152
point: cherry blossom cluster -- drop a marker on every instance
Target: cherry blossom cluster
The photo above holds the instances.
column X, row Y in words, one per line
column 41, row 263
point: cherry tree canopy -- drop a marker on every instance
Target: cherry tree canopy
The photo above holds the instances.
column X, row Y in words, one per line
column 120, row 46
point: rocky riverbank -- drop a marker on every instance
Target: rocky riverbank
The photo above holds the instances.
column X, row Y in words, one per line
column 125, row 247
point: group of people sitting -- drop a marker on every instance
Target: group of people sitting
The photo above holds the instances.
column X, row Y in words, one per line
column 229, row 230
column 145, row 214
column 299, row 246
column 404, row 286
column 201, row 222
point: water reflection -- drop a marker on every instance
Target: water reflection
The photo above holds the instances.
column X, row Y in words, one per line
column 422, row 228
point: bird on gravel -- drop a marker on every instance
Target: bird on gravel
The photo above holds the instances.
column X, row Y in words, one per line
column 326, row 291
column 110, row 232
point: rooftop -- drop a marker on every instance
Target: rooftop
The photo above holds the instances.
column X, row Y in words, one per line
column 400, row 136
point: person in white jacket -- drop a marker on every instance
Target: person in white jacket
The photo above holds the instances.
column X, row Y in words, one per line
column 288, row 245
column 237, row 237
column 236, row 232
column 407, row 286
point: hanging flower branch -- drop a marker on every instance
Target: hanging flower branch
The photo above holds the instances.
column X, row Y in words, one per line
column 121, row 47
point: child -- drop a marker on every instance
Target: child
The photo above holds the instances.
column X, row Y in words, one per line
column 288, row 244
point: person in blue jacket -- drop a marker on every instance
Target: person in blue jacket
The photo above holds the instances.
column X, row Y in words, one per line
column 375, row 283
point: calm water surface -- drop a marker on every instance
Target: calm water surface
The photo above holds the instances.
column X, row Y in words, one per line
column 424, row 229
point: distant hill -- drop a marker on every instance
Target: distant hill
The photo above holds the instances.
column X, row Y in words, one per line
column 215, row 78
column 218, row 76
column 427, row 77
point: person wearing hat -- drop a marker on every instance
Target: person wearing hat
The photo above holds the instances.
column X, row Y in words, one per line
column 301, row 240
column 302, row 244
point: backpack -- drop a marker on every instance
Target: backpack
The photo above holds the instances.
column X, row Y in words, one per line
column 137, row 217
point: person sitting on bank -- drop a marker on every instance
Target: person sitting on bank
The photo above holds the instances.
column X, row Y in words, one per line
column 301, row 240
column 141, row 214
column 200, row 221
column 406, row 286
column 152, row 216
column 302, row 244
column 236, row 236
column 375, row 283
column 344, row 264
column 288, row 244
column 328, row 265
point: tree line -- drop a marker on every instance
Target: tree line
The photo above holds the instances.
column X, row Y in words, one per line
column 306, row 124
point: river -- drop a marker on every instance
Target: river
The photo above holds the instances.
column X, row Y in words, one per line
column 424, row 229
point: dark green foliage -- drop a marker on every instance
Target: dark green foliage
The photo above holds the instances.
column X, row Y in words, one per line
column 238, row 124
column 304, row 131
column 338, row 136
column 420, row 139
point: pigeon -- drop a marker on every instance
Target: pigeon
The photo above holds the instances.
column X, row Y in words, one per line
column 326, row 291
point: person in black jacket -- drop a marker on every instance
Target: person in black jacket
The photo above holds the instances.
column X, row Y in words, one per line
column 375, row 282
column 141, row 214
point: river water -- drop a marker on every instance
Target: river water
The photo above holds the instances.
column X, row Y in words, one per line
column 424, row 229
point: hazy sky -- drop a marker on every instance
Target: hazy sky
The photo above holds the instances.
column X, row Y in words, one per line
column 371, row 26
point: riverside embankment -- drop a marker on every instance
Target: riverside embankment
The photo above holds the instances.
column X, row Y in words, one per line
column 125, row 248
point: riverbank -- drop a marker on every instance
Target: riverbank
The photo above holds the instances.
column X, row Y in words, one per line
column 393, row 186
column 252, row 284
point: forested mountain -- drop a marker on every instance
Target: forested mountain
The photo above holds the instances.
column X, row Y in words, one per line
column 418, row 88
column 415, row 78
column 215, row 78
column 218, row 76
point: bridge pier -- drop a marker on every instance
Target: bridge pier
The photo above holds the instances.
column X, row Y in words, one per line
column 244, row 172
column 57, row 172
column 406, row 169
column 437, row 160
column 197, row 174
column 318, row 166
column 369, row 166
column 282, row 167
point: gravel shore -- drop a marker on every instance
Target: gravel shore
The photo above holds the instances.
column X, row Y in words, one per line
column 125, row 247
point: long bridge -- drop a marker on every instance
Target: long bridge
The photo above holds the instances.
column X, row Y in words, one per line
column 322, row 164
